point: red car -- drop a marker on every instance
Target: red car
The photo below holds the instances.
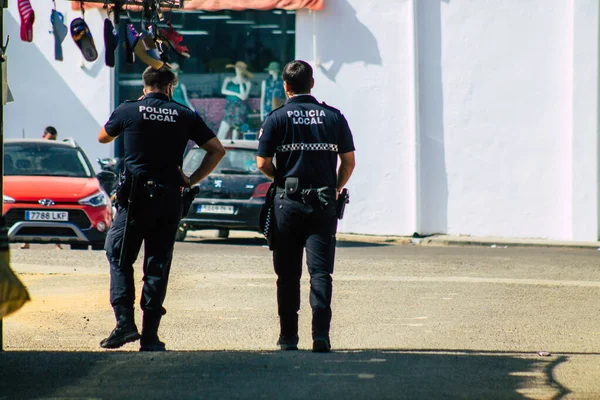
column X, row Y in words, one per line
column 52, row 195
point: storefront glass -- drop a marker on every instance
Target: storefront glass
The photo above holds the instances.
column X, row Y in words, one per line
column 233, row 75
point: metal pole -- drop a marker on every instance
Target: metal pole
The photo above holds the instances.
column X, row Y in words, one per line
column 3, row 5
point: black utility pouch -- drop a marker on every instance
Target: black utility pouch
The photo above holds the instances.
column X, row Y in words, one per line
column 291, row 185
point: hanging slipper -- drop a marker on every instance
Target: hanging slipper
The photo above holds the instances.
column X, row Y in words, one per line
column 59, row 29
column 173, row 39
column 27, row 17
column 111, row 41
column 132, row 39
column 83, row 38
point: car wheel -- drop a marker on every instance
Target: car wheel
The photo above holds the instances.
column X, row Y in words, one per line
column 180, row 235
column 97, row 246
column 223, row 233
column 79, row 246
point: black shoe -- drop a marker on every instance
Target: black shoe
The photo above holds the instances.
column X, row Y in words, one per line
column 119, row 336
column 153, row 346
column 321, row 346
column 288, row 344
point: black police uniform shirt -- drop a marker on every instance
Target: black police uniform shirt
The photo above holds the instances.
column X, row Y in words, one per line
column 156, row 131
column 305, row 137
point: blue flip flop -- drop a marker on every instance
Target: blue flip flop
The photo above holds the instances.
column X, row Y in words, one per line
column 83, row 38
column 59, row 29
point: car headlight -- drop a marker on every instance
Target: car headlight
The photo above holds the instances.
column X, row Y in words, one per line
column 98, row 199
column 8, row 199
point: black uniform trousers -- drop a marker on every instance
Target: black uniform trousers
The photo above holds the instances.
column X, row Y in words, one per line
column 301, row 226
column 155, row 222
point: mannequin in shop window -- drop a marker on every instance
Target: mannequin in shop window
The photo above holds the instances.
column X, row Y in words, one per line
column 180, row 91
column 236, row 90
column 272, row 93
column 180, row 96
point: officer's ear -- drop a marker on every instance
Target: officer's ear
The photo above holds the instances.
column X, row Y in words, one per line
column 312, row 83
column 286, row 88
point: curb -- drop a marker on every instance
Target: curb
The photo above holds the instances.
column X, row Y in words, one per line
column 446, row 240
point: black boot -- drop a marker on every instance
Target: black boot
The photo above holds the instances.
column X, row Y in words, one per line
column 149, row 340
column 125, row 332
column 288, row 338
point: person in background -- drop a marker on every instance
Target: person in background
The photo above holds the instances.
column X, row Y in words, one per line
column 50, row 133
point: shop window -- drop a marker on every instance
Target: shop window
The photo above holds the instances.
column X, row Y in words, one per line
column 233, row 75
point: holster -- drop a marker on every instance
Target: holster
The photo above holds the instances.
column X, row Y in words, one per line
column 266, row 222
column 187, row 197
column 124, row 188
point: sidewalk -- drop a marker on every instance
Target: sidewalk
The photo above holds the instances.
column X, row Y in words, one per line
column 434, row 240
column 450, row 240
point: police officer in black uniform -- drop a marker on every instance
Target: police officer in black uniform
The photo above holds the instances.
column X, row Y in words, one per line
column 155, row 131
column 306, row 138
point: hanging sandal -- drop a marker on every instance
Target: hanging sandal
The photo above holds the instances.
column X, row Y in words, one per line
column 173, row 39
column 131, row 39
column 27, row 17
column 83, row 38
column 60, row 30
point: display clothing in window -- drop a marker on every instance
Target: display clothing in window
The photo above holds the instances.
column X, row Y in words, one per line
column 236, row 110
column 273, row 90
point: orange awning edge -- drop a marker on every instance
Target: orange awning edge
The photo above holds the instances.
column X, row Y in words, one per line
column 237, row 5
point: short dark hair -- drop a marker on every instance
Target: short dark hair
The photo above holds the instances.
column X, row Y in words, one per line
column 298, row 75
column 51, row 130
column 158, row 78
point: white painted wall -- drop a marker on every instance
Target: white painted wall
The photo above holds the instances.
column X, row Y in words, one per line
column 505, row 138
column 365, row 52
column 72, row 95
column 495, row 107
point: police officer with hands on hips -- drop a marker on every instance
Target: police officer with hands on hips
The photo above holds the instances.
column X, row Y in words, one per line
column 306, row 138
column 155, row 131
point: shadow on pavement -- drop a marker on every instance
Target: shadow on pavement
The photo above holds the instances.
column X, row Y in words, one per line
column 254, row 241
column 356, row 374
column 258, row 241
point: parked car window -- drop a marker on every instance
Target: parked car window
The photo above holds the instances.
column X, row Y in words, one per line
column 45, row 160
column 236, row 161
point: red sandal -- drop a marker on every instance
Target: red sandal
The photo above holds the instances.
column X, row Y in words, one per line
column 174, row 39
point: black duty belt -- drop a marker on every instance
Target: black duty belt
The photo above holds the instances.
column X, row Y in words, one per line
column 315, row 195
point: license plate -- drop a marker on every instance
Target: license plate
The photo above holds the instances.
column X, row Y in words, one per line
column 214, row 209
column 46, row 216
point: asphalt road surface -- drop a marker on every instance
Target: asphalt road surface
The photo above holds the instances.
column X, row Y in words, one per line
column 409, row 322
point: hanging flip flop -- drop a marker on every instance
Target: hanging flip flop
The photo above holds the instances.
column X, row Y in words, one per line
column 59, row 29
column 173, row 39
column 130, row 41
column 83, row 38
column 27, row 17
column 111, row 42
